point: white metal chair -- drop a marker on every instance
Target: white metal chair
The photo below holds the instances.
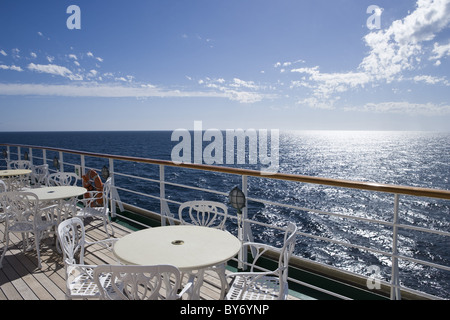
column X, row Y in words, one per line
column 65, row 179
column 20, row 182
column 19, row 164
column 24, row 215
column 79, row 276
column 90, row 207
column 62, row 179
column 39, row 175
column 208, row 214
column 131, row 282
column 203, row 213
column 264, row 285
column 3, row 188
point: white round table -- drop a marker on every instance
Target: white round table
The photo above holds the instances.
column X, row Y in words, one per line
column 189, row 248
column 14, row 172
column 57, row 192
column 186, row 247
column 14, row 178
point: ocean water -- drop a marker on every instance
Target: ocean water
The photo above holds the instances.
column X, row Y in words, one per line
column 418, row 159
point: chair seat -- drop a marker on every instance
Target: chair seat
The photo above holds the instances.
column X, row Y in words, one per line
column 264, row 285
column 92, row 211
column 27, row 227
column 263, row 288
column 81, row 284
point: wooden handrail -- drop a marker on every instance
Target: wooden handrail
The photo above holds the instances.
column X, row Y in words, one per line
column 380, row 187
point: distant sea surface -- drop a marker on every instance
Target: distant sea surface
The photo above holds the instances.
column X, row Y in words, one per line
column 417, row 159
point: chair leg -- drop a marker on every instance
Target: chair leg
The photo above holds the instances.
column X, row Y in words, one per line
column 5, row 248
column 37, row 241
column 107, row 223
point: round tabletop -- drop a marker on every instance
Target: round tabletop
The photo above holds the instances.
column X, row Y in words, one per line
column 186, row 247
column 14, row 172
column 57, row 192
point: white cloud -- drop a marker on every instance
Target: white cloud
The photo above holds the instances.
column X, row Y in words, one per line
column 3, row 53
column 324, row 85
column 440, row 51
column 311, row 71
column 428, row 109
column 431, row 80
column 72, row 56
column 238, row 83
column 91, row 55
column 394, row 50
column 314, row 102
column 13, row 67
column 236, row 89
column 399, row 47
column 105, row 90
column 288, row 63
column 55, row 70
column 15, row 53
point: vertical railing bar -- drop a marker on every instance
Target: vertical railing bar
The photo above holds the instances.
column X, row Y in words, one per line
column 243, row 226
column 61, row 161
column 112, row 198
column 30, row 155
column 44, row 156
column 8, row 156
column 162, row 194
column 82, row 164
column 395, row 289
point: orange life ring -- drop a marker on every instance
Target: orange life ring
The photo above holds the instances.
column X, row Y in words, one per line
column 92, row 182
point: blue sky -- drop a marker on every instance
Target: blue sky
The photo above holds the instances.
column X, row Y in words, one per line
column 284, row 64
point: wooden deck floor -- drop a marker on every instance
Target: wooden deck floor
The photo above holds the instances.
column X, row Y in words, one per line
column 20, row 279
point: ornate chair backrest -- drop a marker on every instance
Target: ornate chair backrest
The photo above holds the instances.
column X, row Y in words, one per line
column 203, row 213
column 131, row 282
column 40, row 174
column 286, row 252
column 19, row 164
column 3, row 186
column 106, row 192
column 63, row 179
column 21, row 208
column 71, row 235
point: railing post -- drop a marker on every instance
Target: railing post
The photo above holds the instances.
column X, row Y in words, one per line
column 30, row 155
column 162, row 196
column 83, row 166
column 61, row 161
column 44, row 156
column 8, row 157
column 243, row 226
column 395, row 289
column 113, row 198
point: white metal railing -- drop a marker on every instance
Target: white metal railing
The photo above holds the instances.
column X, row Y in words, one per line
column 245, row 233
